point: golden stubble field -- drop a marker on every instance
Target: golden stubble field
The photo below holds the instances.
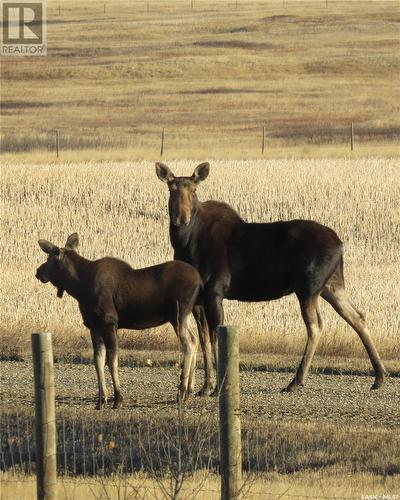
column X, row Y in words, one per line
column 120, row 209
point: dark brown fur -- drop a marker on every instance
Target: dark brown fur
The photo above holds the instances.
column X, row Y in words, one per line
column 260, row 261
column 111, row 295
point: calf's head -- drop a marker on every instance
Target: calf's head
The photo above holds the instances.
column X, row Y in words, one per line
column 58, row 269
column 182, row 192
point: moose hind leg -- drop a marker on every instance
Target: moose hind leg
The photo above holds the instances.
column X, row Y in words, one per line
column 339, row 300
column 312, row 320
column 99, row 351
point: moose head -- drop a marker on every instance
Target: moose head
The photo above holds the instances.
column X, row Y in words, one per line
column 182, row 192
column 58, row 269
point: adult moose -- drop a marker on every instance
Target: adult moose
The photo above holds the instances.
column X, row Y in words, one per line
column 258, row 262
column 111, row 295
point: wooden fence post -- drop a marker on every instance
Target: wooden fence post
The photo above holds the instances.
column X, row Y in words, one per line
column 352, row 136
column 57, row 142
column 45, row 418
column 229, row 412
column 162, row 142
column 263, row 141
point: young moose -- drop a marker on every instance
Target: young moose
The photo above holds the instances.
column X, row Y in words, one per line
column 112, row 295
column 260, row 261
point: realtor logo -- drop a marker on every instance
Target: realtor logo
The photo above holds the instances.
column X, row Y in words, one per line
column 24, row 29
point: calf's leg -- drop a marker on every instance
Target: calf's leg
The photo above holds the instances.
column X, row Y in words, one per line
column 192, row 369
column 99, row 355
column 111, row 343
column 189, row 345
column 312, row 319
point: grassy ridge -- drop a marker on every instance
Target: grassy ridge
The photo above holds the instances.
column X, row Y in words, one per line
column 213, row 76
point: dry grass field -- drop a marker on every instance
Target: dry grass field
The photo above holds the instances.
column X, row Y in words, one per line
column 213, row 76
column 120, row 209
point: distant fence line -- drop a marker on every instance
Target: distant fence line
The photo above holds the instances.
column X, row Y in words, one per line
column 189, row 5
column 257, row 138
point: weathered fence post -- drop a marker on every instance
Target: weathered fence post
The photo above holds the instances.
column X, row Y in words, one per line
column 45, row 419
column 57, row 142
column 229, row 412
column 352, row 136
column 162, row 142
column 263, row 141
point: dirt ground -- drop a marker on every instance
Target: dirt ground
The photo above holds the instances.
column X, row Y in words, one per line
column 148, row 390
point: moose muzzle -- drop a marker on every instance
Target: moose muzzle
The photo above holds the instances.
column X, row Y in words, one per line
column 41, row 274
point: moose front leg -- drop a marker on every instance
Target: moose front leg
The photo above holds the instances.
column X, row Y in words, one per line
column 99, row 355
column 215, row 316
column 207, row 349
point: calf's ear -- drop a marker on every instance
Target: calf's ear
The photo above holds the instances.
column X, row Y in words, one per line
column 72, row 241
column 201, row 172
column 49, row 248
column 164, row 173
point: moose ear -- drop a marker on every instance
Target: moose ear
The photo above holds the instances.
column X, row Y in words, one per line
column 72, row 241
column 49, row 248
column 164, row 173
column 201, row 172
